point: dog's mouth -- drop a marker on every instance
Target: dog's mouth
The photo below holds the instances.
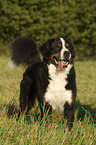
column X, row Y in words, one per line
column 61, row 63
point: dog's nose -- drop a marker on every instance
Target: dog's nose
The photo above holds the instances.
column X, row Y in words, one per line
column 66, row 54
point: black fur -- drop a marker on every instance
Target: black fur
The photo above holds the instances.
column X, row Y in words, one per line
column 24, row 50
column 36, row 78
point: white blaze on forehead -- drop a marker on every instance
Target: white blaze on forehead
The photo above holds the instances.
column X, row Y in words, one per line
column 63, row 48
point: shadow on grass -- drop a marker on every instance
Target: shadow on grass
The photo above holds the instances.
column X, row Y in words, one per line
column 13, row 110
column 82, row 109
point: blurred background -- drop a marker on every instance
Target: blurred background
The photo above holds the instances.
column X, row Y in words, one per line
column 45, row 19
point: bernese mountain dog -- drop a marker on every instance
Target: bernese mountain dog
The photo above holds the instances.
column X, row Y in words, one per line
column 51, row 79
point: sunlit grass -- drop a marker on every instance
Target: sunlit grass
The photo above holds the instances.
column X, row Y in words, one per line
column 31, row 132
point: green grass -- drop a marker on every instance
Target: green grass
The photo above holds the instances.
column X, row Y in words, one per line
column 31, row 133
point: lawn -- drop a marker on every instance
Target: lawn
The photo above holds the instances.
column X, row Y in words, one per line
column 31, row 132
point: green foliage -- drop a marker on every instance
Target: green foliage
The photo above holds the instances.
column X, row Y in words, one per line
column 31, row 132
column 45, row 19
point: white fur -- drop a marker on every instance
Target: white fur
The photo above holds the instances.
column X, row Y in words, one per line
column 63, row 48
column 56, row 94
column 11, row 64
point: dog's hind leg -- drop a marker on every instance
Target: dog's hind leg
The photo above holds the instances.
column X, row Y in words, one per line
column 24, row 97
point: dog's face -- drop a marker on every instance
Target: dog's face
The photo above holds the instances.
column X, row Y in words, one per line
column 59, row 52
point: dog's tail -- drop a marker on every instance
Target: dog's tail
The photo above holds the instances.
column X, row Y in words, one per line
column 24, row 51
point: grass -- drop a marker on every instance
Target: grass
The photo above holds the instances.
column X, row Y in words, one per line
column 31, row 133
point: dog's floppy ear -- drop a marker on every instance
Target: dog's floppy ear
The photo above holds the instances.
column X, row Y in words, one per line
column 73, row 50
column 46, row 49
column 73, row 53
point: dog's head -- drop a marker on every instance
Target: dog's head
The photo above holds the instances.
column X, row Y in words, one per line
column 59, row 52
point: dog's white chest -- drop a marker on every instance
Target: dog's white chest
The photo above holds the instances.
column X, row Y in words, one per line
column 56, row 94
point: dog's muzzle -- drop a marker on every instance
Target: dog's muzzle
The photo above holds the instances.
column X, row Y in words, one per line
column 64, row 62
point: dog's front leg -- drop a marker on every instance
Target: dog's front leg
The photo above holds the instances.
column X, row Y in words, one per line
column 69, row 115
column 47, row 111
column 42, row 110
column 41, row 104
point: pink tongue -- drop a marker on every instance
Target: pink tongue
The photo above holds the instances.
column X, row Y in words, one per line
column 60, row 65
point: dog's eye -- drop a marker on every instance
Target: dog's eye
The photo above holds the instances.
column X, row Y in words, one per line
column 67, row 45
column 58, row 48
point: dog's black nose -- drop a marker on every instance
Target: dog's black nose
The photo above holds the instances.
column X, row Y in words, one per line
column 66, row 54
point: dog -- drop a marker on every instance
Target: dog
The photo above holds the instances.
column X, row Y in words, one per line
column 51, row 79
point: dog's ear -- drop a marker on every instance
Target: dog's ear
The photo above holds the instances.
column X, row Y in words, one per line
column 46, row 49
column 73, row 53
column 73, row 50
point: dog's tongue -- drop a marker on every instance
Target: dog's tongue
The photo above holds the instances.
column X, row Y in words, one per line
column 61, row 64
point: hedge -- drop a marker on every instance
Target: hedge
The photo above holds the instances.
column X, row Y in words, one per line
column 45, row 19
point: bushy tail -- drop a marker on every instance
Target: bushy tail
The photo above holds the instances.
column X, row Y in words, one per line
column 24, row 51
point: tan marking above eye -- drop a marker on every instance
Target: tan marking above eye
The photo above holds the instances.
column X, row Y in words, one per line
column 67, row 45
column 59, row 45
column 57, row 48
